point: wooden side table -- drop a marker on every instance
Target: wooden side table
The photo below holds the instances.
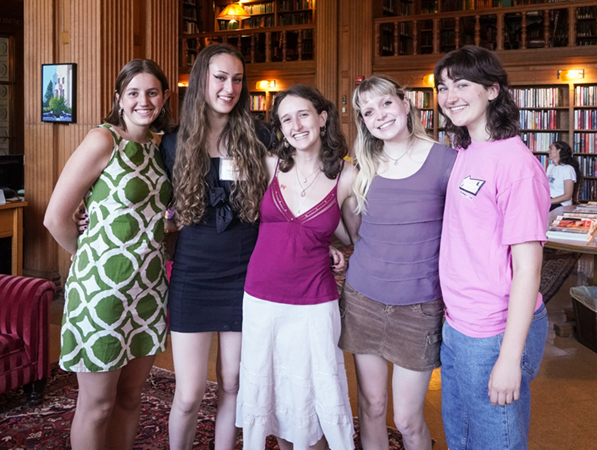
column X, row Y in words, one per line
column 11, row 225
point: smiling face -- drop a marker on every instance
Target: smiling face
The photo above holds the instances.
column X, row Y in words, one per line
column 224, row 84
column 554, row 154
column 301, row 123
column 386, row 116
column 142, row 100
column 465, row 104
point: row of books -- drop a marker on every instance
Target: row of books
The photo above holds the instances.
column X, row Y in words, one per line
column 421, row 99
column 539, row 142
column 585, row 95
column 260, row 22
column 427, row 118
column 585, row 119
column 544, row 160
column 257, row 102
column 190, row 27
column 585, row 142
column 541, row 119
column 589, row 190
column 295, row 5
column 588, row 165
column 296, row 19
column 538, row 97
column 261, row 8
column 585, row 12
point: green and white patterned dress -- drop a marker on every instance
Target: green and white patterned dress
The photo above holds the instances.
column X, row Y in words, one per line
column 116, row 291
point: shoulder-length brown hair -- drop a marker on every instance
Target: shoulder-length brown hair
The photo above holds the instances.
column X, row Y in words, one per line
column 333, row 142
column 192, row 155
column 164, row 121
column 481, row 66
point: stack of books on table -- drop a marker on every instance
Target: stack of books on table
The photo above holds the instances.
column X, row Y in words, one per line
column 586, row 208
column 573, row 226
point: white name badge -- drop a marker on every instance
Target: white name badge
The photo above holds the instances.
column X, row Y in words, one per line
column 228, row 172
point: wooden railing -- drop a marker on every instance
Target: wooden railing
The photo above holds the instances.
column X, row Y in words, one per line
column 258, row 45
column 563, row 24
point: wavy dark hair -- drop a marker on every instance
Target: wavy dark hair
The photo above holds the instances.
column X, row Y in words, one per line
column 192, row 155
column 481, row 66
column 566, row 156
column 333, row 143
column 164, row 122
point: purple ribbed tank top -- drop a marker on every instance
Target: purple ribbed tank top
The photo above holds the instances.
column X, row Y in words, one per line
column 396, row 259
column 291, row 263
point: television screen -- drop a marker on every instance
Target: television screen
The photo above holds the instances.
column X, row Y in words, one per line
column 12, row 172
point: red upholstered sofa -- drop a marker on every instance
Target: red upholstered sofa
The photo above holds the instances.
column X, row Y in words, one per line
column 24, row 334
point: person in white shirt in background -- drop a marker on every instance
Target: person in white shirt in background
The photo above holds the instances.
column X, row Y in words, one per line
column 562, row 174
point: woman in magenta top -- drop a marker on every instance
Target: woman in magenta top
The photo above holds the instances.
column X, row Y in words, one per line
column 293, row 381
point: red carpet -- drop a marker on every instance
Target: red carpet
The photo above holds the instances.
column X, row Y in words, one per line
column 47, row 426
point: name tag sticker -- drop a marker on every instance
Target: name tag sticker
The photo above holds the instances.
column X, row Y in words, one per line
column 471, row 186
column 228, row 172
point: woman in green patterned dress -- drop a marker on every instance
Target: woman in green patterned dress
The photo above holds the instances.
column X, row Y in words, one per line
column 115, row 297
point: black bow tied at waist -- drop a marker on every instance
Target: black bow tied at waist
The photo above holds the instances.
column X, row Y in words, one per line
column 223, row 211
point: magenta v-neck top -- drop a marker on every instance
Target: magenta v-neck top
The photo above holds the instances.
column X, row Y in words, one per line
column 291, row 262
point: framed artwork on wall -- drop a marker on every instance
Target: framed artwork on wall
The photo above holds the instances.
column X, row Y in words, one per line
column 58, row 93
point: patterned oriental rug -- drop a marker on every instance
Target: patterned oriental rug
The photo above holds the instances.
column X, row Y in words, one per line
column 557, row 266
column 47, row 426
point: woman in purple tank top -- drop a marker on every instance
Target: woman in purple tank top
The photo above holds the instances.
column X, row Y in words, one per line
column 391, row 304
column 292, row 380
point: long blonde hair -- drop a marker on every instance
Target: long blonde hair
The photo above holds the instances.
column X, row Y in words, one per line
column 369, row 149
column 192, row 155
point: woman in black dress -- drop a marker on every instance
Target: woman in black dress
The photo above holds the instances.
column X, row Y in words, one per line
column 217, row 164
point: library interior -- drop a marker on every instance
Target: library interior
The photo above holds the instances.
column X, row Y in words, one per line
column 548, row 48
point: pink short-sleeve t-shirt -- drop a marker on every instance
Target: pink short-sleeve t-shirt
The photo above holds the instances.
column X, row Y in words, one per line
column 498, row 196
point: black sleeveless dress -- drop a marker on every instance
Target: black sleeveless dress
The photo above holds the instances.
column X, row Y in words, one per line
column 210, row 261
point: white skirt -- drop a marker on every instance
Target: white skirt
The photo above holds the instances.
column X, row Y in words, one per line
column 292, row 376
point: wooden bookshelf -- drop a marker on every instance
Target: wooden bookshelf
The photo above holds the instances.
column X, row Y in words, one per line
column 267, row 14
column 493, row 24
column 423, row 100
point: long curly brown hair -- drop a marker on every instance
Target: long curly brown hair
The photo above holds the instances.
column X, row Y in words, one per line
column 192, row 155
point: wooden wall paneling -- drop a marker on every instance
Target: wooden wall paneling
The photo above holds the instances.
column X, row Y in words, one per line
column 160, row 34
column 358, row 16
column 326, row 50
column 40, row 150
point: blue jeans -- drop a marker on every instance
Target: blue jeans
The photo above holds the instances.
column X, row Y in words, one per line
column 470, row 421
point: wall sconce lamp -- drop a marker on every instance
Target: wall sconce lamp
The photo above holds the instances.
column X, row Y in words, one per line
column 234, row 11
column 266, row 85
column 183, row 84
column 429, row 79
column 571, row 75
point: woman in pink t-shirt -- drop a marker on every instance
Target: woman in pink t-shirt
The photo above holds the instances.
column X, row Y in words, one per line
column 495, row 218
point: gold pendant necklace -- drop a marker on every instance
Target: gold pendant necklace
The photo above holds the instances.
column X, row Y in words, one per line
column 305, row 178
column 304, row 190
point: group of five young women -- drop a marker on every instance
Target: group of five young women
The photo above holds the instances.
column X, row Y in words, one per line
column 487, row 200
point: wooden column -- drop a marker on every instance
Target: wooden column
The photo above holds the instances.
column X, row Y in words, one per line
column 99, row 36
column 326, row 50
column 355, row 55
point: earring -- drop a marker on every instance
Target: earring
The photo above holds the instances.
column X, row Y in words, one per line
column 121, row 112
column 323, row 131
column 163, row 112
column 286, row 144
